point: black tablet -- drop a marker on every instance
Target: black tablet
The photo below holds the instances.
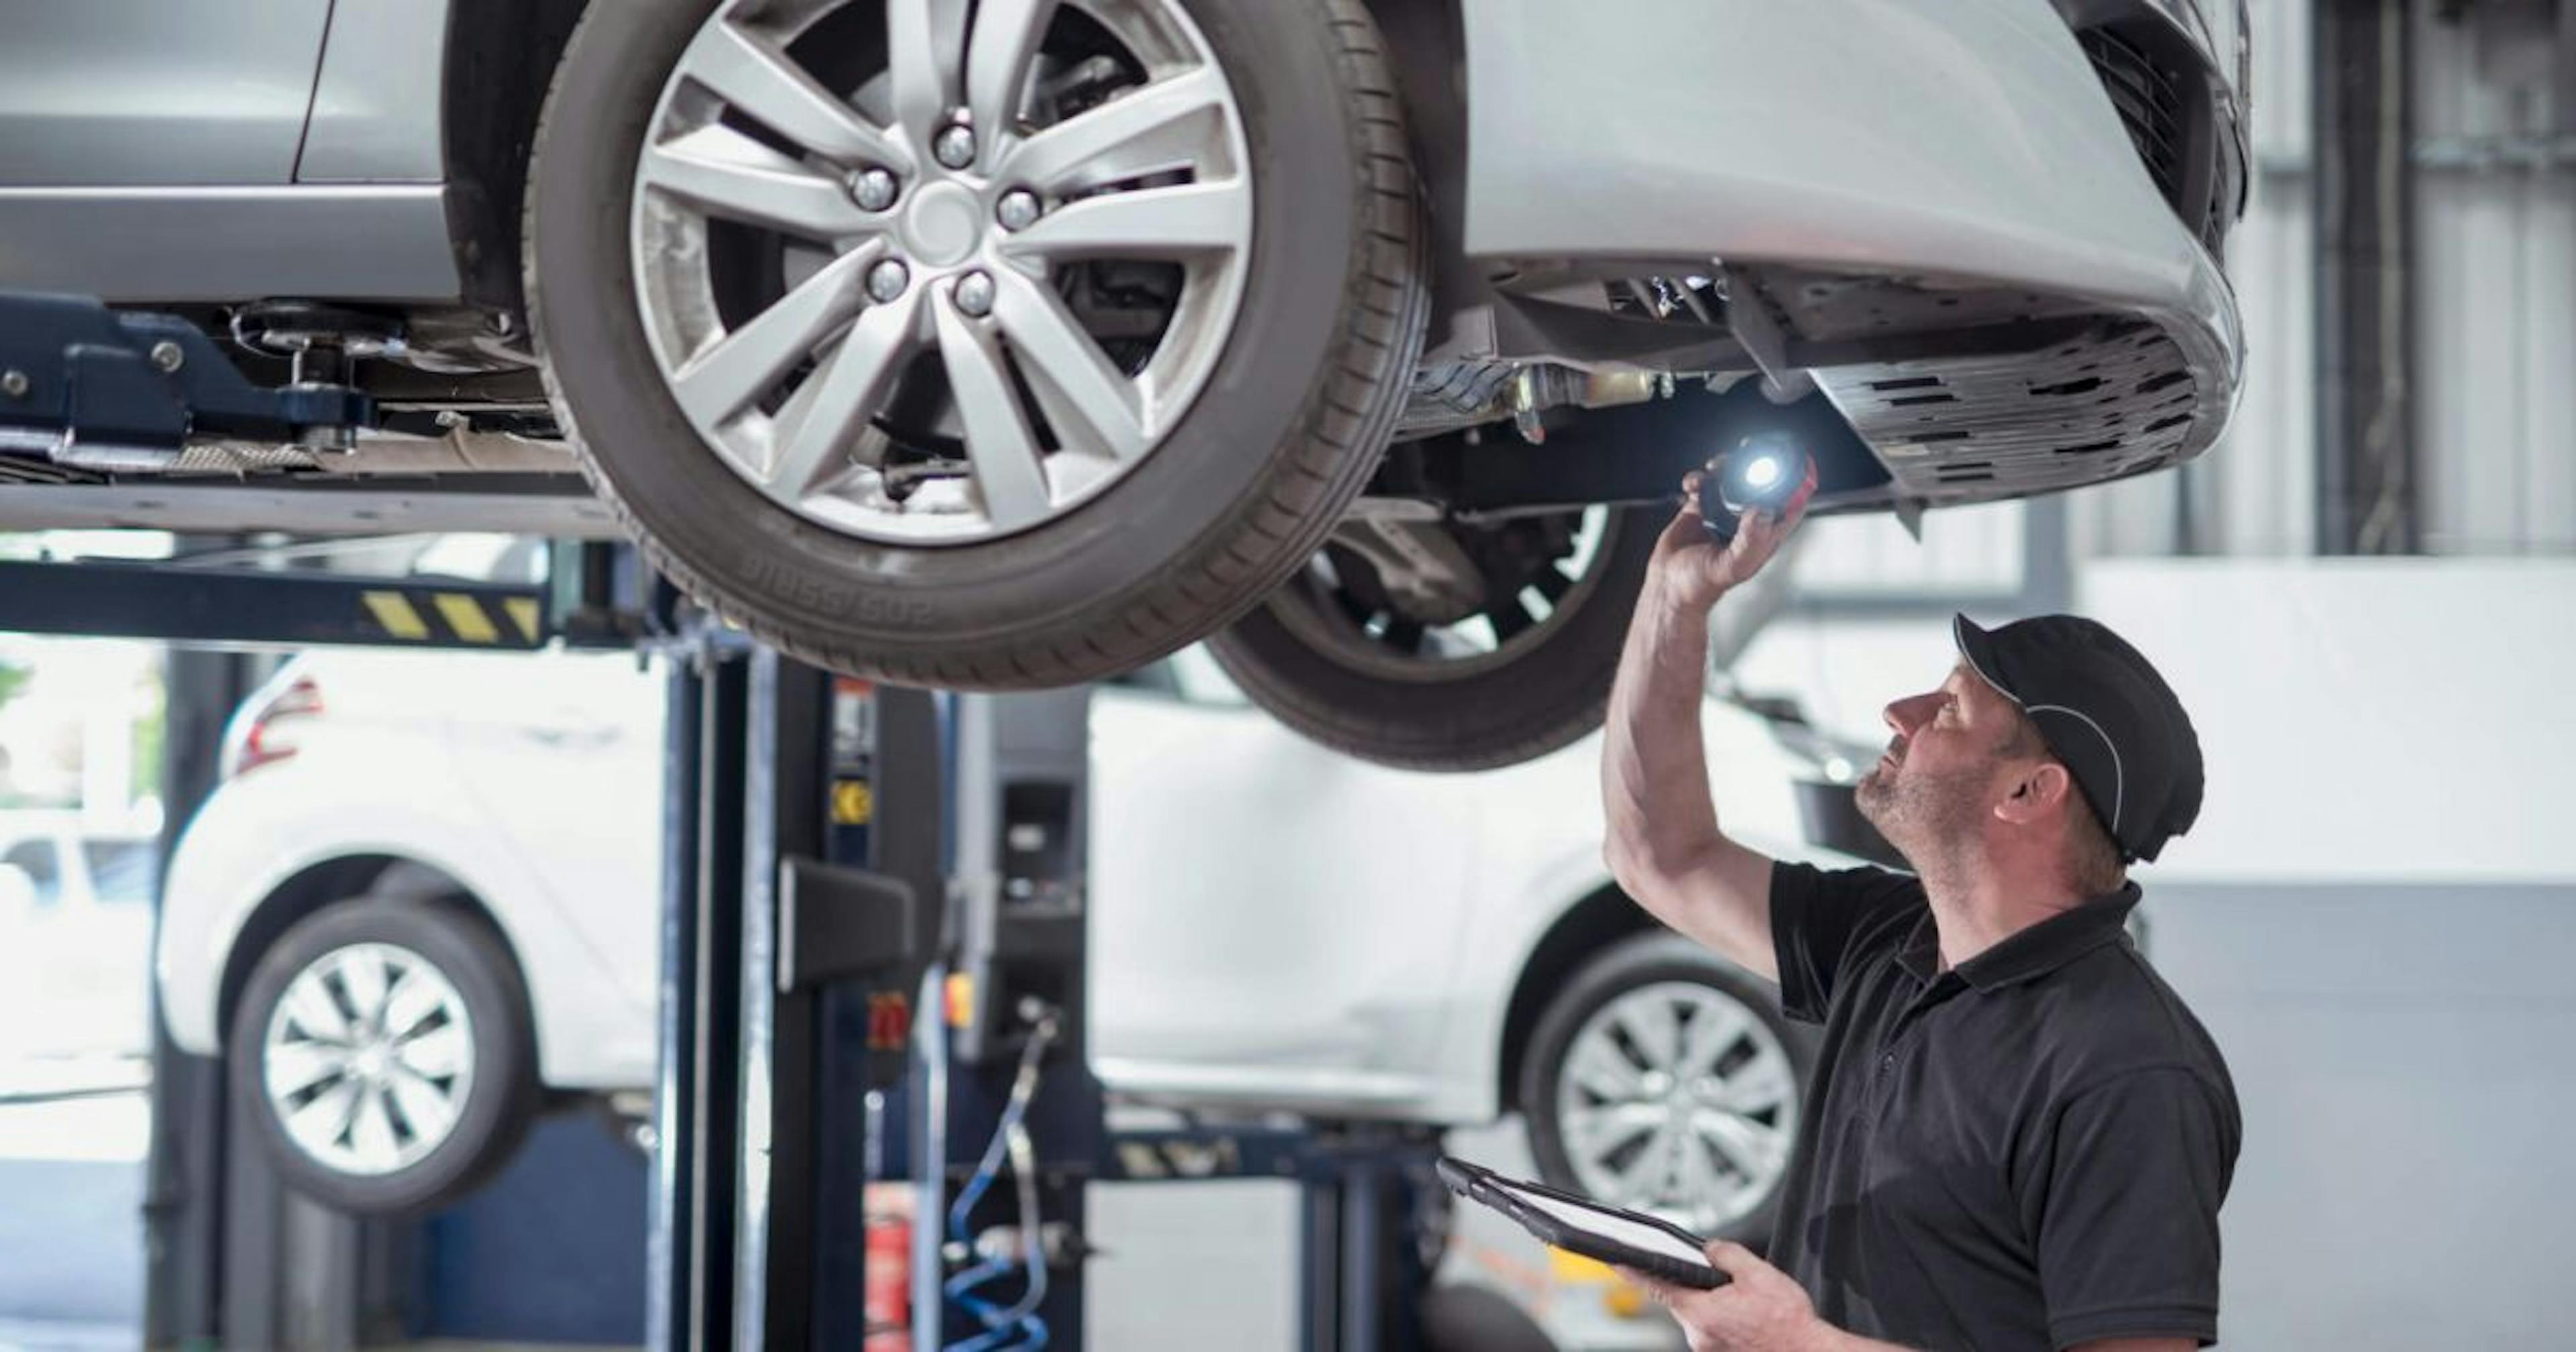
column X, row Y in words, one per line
column 1629, row 1239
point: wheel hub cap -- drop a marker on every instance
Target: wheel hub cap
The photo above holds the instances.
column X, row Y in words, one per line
column 368, row 1059
column 944, row 224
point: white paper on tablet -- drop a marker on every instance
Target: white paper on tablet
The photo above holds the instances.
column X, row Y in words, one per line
column 1616, row 1229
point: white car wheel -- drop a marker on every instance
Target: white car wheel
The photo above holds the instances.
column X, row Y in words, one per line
column 386, row 1053
column 369, row 1058
column 1665, row 1080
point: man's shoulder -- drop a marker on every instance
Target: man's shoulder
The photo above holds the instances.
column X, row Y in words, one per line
column 2115, row 1015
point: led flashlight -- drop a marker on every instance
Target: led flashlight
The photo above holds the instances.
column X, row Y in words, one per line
column 1762, row 473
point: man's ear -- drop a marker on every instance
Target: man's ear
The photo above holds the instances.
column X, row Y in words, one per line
column 2038, row 794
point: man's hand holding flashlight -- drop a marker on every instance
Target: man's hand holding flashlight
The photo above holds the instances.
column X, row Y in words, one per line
column 1691, row 569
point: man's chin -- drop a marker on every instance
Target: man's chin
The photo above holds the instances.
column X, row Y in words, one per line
column 1870, row 795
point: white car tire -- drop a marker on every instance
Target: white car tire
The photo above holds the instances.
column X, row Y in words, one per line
column 385, row 1055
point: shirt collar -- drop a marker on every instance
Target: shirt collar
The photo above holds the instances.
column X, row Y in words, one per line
column 2033, row 951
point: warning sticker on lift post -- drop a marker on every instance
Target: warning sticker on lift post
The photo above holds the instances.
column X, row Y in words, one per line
column 853, row 803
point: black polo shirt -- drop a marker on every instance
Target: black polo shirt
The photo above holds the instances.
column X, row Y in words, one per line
column 2028, row 1151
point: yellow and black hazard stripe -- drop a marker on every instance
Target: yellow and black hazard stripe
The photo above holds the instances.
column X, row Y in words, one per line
column 437, row 617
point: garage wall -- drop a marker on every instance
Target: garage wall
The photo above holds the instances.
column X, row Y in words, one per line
column 2399, row 1057
column 2496, row 258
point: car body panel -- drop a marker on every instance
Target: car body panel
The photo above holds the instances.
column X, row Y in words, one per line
column 375, row 775
column 1969, row 138
column 1303, row 953
column 380, row 242
column 575, row 750
column 166, row 93
column 1959, row 147
column 1225, row 901
column 377, row 104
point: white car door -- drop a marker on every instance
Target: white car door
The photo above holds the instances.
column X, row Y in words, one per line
column 1270, row 919
column 564, row 750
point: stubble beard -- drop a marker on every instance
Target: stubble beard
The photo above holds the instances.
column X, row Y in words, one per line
column 1924, row 814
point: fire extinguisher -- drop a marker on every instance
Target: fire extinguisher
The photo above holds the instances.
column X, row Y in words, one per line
column 888, row 1208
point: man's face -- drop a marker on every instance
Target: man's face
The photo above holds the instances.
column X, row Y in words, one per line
column 1946, row 758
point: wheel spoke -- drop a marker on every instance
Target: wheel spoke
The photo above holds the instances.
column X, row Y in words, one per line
column 429, row 1112
column 1404, row 634
column 834, row 404
column 724, row 173
column 1592, row 1135
column 1651, row 1023
column 1714, row 1027
column 293, row 1067
column 1597, row 1067
column 1552, row 583
column 311, row 1008
column 439, row 1054
column 371, row 1128
column 1761, row 1084
column 925, row 45
column 997, row 60
column 754, row 75
column 1694, row 1176
column 1093, row 405
column 1155, row 223
column 999, row 441
column 1748, row 1147
column 1167, row 125
column 726, row 378
column 363, row 977
column 319, row 1124
column 414, row 998
column 1510, row 617
column 1637, row 1182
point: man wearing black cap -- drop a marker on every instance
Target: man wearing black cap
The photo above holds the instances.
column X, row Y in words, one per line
column 2018, row 1136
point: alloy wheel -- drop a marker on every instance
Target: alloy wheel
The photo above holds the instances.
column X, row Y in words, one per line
column 1678, row 1099
column 928, row 280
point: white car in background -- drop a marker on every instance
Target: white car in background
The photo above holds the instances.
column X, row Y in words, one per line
column 426, row 892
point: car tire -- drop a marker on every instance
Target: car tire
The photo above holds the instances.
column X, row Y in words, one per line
column 1306, row 657
column 1635, row 975
column 1299, row 406
column 1462, row 1318
column 488, row 1091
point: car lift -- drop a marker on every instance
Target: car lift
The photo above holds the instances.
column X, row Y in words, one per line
column 839, row 858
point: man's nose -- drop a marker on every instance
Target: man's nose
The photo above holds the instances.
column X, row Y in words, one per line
column 1904, row 715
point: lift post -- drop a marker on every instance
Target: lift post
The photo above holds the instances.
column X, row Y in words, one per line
column 831, row 844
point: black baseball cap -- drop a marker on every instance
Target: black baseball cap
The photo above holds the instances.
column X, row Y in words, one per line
column 2105, row 714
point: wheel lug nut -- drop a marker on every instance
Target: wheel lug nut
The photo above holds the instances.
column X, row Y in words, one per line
column 874, row 189
column 975, row 293
column 887, row 280
column 1018, row 209
column 955, row 146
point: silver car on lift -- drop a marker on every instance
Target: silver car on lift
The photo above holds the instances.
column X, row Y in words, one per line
column 1016, row 343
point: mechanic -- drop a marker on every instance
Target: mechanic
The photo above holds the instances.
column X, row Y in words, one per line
column 2017, row 1136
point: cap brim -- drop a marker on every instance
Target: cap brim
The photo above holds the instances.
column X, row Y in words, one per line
column 1978, row 647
